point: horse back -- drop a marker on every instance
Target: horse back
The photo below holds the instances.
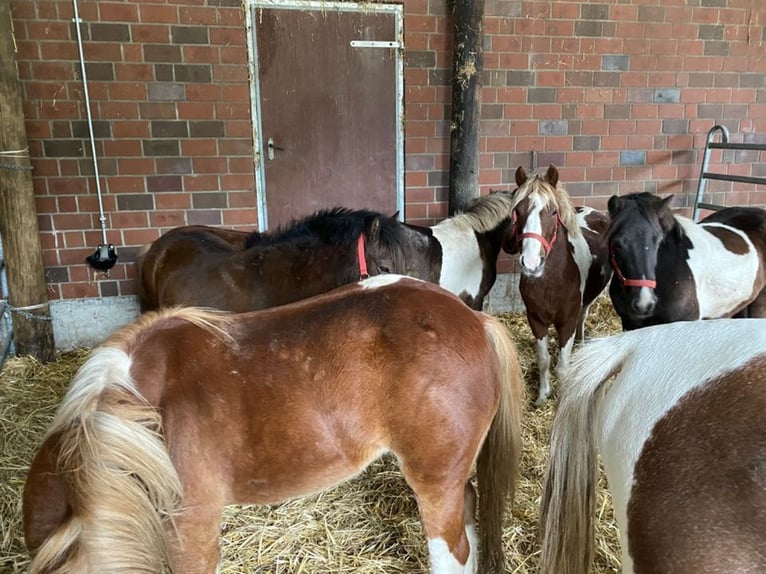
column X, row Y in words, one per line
column 344, row 368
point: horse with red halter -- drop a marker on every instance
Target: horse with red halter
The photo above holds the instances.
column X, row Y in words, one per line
column 678, row 414
column 564, row 265
column 245, row 271
column 668, row 268
column 188, row 410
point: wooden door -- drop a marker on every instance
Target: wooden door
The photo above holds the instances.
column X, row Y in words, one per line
column 328, row 119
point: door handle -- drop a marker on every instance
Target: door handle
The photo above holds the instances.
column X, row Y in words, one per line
column 271, row 148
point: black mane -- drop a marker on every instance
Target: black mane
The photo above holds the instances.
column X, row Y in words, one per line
column 336, row 226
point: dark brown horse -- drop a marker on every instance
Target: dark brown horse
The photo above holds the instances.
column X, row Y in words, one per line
column 668, row 268
column 187, row 411
column 564, row 264
column 245, row 271
column 678, row 414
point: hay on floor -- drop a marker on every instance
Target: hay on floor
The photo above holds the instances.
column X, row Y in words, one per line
column 369, row 525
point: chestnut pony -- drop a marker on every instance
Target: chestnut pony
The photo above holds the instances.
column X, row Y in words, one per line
column 668, row 268
column 564, row 264
column 678, row 415
column 246, row 271
column 187, row 411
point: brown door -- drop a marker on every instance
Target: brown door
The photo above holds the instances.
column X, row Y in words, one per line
column 328, row 110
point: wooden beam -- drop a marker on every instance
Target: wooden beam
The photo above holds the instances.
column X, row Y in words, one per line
column 466, row 103
column 32, row 328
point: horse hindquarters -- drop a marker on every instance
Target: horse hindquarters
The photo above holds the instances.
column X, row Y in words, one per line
column 122, row 484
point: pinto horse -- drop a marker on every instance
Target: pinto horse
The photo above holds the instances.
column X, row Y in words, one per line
column 681, row 431
column 246, row 271
column 564, row 264
column 188, row 410
column 668, row 268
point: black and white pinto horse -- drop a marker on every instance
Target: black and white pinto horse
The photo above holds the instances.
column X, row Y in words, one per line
column 564, row 265
column 668, row 268
column 681, row 430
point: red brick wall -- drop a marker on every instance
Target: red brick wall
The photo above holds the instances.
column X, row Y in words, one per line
column 619, row 96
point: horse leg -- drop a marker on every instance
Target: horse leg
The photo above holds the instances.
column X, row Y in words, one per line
column 196, row 550
column 565, row 353
column 581, row 323
column 444, row 508
column 469, row 518
column 543, row 367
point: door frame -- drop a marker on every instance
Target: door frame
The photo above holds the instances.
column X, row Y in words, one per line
column 255, row 93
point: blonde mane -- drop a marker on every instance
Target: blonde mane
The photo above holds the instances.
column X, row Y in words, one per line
column 485, row 213
column 551, row 196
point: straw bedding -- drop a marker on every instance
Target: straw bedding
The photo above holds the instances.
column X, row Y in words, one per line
column 369, row 525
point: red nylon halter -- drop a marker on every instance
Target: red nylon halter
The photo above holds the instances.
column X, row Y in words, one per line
column 546, row 245
column 362, row 260
column 650, row 283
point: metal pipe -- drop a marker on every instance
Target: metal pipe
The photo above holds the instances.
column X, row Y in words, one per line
column 705, row 162
column 101, row 216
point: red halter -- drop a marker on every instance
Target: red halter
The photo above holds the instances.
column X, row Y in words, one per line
column 546, row 245
column 362, row 260
column 650, row 283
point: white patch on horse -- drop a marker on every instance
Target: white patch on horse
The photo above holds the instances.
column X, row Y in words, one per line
column 628, row 416
column 581, row 252
column 544, row 368
column 723, row 278
column 462, row 266
column 382, row 280
column 442, row 560
column 530, row 247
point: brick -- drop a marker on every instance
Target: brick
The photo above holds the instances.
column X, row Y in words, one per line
column 192, row 73
column 189, row 35
column 63, row 148
column 204, row 217
column 588, row 28
column 163, row 183
column 713, row 48
column 56, row 275
column 541, row 95
column 555, row 127
column 166, row 91
column 135, row 202
column 665, row 95
column 167, row 165
column 632, row 157
column 586, row 143
column 160, row 147
column 161, row 53
column 594, row 11
column 675, row 126
column 651, row 14
column 169, row 129
column 215, row 200
column 710, row 32
column 163, row 72
column 100, row 32
column 419, row 59
column 615, row 62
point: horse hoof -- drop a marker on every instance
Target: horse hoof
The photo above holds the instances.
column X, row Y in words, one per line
column 541, row 400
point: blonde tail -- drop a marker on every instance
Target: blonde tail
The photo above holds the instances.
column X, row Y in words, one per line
column 498, row 463
column 568, row 502
column 123, row 486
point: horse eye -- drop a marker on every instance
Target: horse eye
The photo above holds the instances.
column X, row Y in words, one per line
column 384, row 269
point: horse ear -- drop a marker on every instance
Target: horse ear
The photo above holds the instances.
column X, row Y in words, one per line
column 614, row 205
column 668, row 200
column 521, row 176
column 552, row 175
column 373, row 233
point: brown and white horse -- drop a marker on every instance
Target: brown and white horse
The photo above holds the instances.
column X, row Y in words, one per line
column 187, row 411
column 678, row 414
column 564, row 264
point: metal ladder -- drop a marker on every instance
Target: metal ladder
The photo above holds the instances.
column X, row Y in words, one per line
column 705, row 174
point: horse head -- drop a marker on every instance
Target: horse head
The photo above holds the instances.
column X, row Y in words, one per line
column 639, row 224
column 395, row 247
column 538, row 212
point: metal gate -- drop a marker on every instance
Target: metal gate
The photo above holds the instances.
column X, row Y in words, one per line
column 6, row 327
column 723, row 144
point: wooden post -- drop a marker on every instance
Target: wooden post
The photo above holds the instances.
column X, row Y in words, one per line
column 466, row 103
column 32, row 328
